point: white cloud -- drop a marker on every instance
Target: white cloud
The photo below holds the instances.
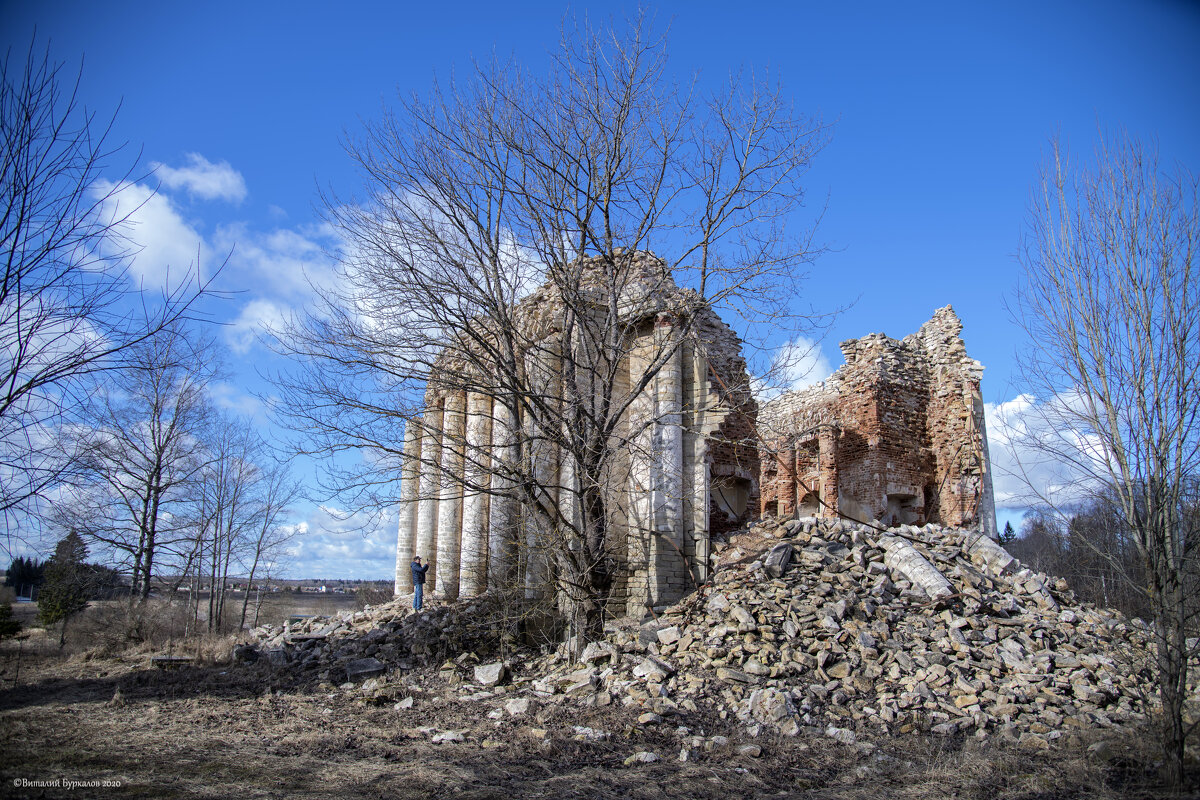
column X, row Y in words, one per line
column 231, row 398
column 339, row 546
column 258, row 317
column 1039, row 452
column 162, row 247
column 204, row 179
column 801, row 364
column 282, row 266
column 796, row 365
column 282, row 263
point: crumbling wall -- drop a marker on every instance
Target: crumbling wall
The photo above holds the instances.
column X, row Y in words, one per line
column 895, row 435
column 686, row 452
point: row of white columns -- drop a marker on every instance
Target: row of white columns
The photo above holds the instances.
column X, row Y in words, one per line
column 457, row 510
column 454, row 511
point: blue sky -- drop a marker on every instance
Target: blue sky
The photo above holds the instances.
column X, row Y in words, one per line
column 940, row 111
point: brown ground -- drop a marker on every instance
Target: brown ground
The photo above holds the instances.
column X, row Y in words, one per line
column 219, row 731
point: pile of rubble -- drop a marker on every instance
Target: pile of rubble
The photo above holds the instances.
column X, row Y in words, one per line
column 810, row 626
column 843, row 630
column 352, row 646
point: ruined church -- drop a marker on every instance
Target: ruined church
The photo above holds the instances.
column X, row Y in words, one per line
column 896, row 435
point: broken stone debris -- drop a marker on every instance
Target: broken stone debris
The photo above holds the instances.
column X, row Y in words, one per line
column 921, row 629
column 850, row 640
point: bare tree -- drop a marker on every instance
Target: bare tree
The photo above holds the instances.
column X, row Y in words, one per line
column 1092, row 548
column 68, row 308
column 227, row 506
column 266, row 545
column 1111, row 302
column 501, row 252
column 140, row 455
column 242, row 496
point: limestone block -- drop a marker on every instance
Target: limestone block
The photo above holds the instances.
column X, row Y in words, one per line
column 491, row 674
column 519, row 706
column 743, row 618
column 642, row 757
column 778, row 560
column 770, row 705
column 362, row 668
column 597, row 651
column 653, row 669
column 668, row 635
column 985, row 551
column 902, row 557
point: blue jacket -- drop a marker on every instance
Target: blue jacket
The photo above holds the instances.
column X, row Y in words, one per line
column 419, row 572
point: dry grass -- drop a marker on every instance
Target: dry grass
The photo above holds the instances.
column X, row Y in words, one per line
column 227, row 731
column 98, row 710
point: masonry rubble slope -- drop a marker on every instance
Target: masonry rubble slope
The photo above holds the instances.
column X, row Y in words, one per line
column 809, row 626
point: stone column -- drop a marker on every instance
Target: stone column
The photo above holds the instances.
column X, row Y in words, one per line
column 656, row 468
column 502, row 517
column 696, row 454
column 473, row 577
column 800, row 471
column 429, row 487
column 406, row 535
column 450, row 504
column 568, row 496
column 828, row 470
column 639, row 507
column 785, row 491
column 986, row 513
column 668, row 464
column 543, row 372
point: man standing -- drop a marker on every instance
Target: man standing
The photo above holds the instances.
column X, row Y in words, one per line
column 418, row 573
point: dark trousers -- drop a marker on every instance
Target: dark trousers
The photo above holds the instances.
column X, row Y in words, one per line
column 417, row 591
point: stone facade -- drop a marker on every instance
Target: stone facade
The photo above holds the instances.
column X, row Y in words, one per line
column 895, row 435
column 686, row 469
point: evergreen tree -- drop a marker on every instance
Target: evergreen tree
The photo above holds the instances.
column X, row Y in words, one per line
column 67, row 584
column 8, row 625
column 1008, row 535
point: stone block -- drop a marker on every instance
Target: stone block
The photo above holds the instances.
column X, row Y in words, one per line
column 491, row 674
column 778, row 560
column 363, row 668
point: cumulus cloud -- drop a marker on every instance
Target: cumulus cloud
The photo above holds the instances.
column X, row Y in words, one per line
column 337, row 545
column 283, row 263
column 283, row 266
column 204, row 179
column 162, row 247
column 796, row 365
column 257, row 318
column 231, row 398
column 1039, row 451
column 801, row 364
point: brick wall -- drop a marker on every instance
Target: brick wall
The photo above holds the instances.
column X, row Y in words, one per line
column 905, row 434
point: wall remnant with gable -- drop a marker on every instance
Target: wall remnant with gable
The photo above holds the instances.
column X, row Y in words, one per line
column 895, row 435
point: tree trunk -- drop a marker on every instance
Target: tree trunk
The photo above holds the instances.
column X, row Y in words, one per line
column 1172, row 671
column 246, row 599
